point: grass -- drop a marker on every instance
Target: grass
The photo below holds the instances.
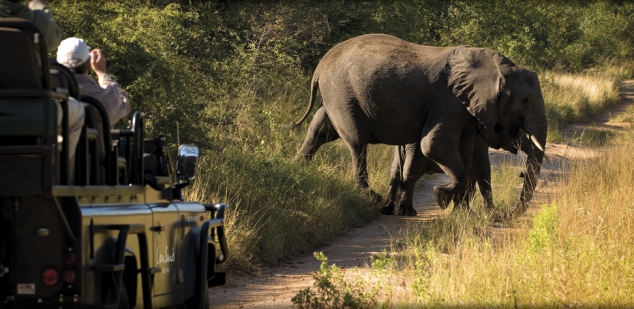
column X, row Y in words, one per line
column 279, row 208
column 592, row 137
column 578, row 97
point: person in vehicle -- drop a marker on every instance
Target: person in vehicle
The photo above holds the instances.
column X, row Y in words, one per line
column 76, row 55
column 37, row 13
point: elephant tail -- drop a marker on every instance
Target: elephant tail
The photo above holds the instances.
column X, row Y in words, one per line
column 313, row 94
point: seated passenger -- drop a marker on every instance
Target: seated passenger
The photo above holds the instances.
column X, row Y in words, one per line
column 77, row 56
column 37, row 13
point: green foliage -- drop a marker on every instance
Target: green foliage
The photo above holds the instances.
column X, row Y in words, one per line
column 422, row 267
column 383, row 261
column 545, row 229
column 334, row 291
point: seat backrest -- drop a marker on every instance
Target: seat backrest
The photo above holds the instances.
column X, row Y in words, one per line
column 22, row 66
column 27, row 113
column 94, row 120
column 97, row 117
column 63, row 77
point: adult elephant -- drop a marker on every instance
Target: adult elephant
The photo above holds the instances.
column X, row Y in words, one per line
column 409, row 165
column 378, row 88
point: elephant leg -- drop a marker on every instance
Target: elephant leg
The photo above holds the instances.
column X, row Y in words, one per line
column 481, row 171
column 467, row 140
column 320, row 131
column 355, row 132
column 396, row 180
column 471, row 186
column 440, row 146
column 416, row 165
column 407, row 167
column 359, row 153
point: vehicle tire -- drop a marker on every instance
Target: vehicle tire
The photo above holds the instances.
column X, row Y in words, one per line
column 192, row 303
column 207, row 303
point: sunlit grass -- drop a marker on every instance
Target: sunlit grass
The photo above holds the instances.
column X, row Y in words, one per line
column 592, row 137
column 578, row 97
column 624, row 70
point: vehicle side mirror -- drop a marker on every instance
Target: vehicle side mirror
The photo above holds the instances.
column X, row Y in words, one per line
column 187, row 162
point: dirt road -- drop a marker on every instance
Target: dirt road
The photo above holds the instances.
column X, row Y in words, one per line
column 276, row 286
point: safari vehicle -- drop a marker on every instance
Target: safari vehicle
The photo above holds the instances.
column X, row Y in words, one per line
column 116, row 233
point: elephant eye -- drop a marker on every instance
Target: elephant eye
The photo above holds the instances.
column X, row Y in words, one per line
column 525, row 100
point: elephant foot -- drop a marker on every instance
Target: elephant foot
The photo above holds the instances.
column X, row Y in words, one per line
column 388, row 210
column 407, row 211
column 442, row 197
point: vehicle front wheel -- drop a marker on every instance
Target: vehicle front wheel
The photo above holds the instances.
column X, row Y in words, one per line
column 192, row 303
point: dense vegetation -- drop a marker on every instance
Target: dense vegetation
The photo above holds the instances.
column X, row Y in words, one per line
column 232, row 72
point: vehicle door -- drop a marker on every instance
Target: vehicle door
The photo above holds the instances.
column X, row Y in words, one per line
column 165, row 246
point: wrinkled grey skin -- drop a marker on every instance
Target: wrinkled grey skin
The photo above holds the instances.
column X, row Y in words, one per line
column 380, row 89
column 409, row 165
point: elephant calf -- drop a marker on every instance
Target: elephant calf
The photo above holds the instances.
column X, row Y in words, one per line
column 409, row 165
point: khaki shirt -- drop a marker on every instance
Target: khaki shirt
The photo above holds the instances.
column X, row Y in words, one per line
column 108, row 92
column 40, row 16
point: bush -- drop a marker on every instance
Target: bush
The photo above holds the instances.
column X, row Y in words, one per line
column 334, row 291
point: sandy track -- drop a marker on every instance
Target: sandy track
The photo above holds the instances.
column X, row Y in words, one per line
column 277, row 285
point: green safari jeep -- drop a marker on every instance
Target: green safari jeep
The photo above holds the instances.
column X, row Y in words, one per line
column 113, row 233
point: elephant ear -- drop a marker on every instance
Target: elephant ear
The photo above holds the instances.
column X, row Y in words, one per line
column 476, row 79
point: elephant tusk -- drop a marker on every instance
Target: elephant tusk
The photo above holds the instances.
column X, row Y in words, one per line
column 536, row 142
column 540, row 147
column 547, row 159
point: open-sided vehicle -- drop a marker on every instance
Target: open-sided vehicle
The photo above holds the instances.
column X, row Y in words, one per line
column 116, row 233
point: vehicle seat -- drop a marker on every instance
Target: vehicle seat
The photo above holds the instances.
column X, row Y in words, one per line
column 20, row 68
column 97, row 117
column 24, row 108
column 63, row 77
column 156, row 163
column 28, row 113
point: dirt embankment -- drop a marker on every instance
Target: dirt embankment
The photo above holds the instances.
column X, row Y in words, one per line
column 276, row 286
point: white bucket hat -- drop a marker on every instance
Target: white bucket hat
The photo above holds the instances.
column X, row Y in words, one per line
column 72, row 52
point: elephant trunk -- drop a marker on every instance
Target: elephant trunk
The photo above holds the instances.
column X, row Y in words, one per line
column 535, row 125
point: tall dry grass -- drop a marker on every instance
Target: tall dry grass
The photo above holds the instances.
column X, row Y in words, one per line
column 578, row 97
